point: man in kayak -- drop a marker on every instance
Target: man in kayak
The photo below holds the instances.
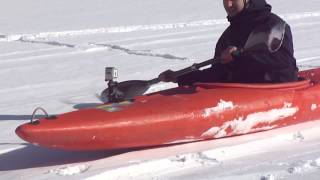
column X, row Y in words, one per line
column 262, row 67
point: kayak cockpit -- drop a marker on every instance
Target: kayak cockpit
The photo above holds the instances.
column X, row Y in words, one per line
column 301, row 84
column 307, row 78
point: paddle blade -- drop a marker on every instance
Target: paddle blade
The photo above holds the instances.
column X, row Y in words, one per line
column 127, row 89
column 264, row 38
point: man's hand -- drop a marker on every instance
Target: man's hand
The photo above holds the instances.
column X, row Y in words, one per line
column 226, row 55
column 167, row 76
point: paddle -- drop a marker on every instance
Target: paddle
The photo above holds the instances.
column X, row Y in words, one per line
column 262, row 38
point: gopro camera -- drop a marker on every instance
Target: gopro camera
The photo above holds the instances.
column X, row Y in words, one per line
column 111, row 73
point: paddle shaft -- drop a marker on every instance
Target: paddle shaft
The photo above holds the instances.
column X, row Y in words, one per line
column 184, row 71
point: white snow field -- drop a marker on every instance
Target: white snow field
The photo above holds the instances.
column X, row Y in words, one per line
column 53, row 54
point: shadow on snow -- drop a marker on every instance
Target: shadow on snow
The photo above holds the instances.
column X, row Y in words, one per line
column 28, row 117
column 33, row 157
column 19, row 117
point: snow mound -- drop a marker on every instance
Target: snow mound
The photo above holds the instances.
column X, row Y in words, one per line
column 298, row 136
column 70, row 170
column 304, row 166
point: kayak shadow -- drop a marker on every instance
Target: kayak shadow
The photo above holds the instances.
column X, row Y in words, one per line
column 5, row 117
column 19, row 117
column 33, row 156
column 86, row 105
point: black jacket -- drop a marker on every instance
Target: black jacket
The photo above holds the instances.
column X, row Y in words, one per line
column 261, row 67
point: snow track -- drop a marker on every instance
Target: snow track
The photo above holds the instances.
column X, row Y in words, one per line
column 158, row 37
column 153, row 27
column 120, row 29
column 154, row 38
column 140, row 52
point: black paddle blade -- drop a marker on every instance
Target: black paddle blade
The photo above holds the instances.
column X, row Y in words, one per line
column 266, row 38
column 128, row 90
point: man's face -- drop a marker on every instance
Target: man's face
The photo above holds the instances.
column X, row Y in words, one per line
column 233, row 7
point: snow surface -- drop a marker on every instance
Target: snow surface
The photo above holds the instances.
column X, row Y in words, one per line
column 53, row 54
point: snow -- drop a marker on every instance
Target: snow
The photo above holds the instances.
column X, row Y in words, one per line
column 243, row 126
column 314, row 107
column 221, row 106
column 53, row 54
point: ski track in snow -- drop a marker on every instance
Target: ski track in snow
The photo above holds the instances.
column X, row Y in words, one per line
column 41, row 56
column 120, row 29
column 90, row 48
column 170, row 36
column 140, row 52
column 42, row 38
column 27, row 52
column 126, row 29
column 52, row 43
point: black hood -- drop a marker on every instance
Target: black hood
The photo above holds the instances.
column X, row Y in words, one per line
column 257, row 5
column 252, row 11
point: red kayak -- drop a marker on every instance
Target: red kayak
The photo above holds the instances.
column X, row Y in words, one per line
column 183, row 114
